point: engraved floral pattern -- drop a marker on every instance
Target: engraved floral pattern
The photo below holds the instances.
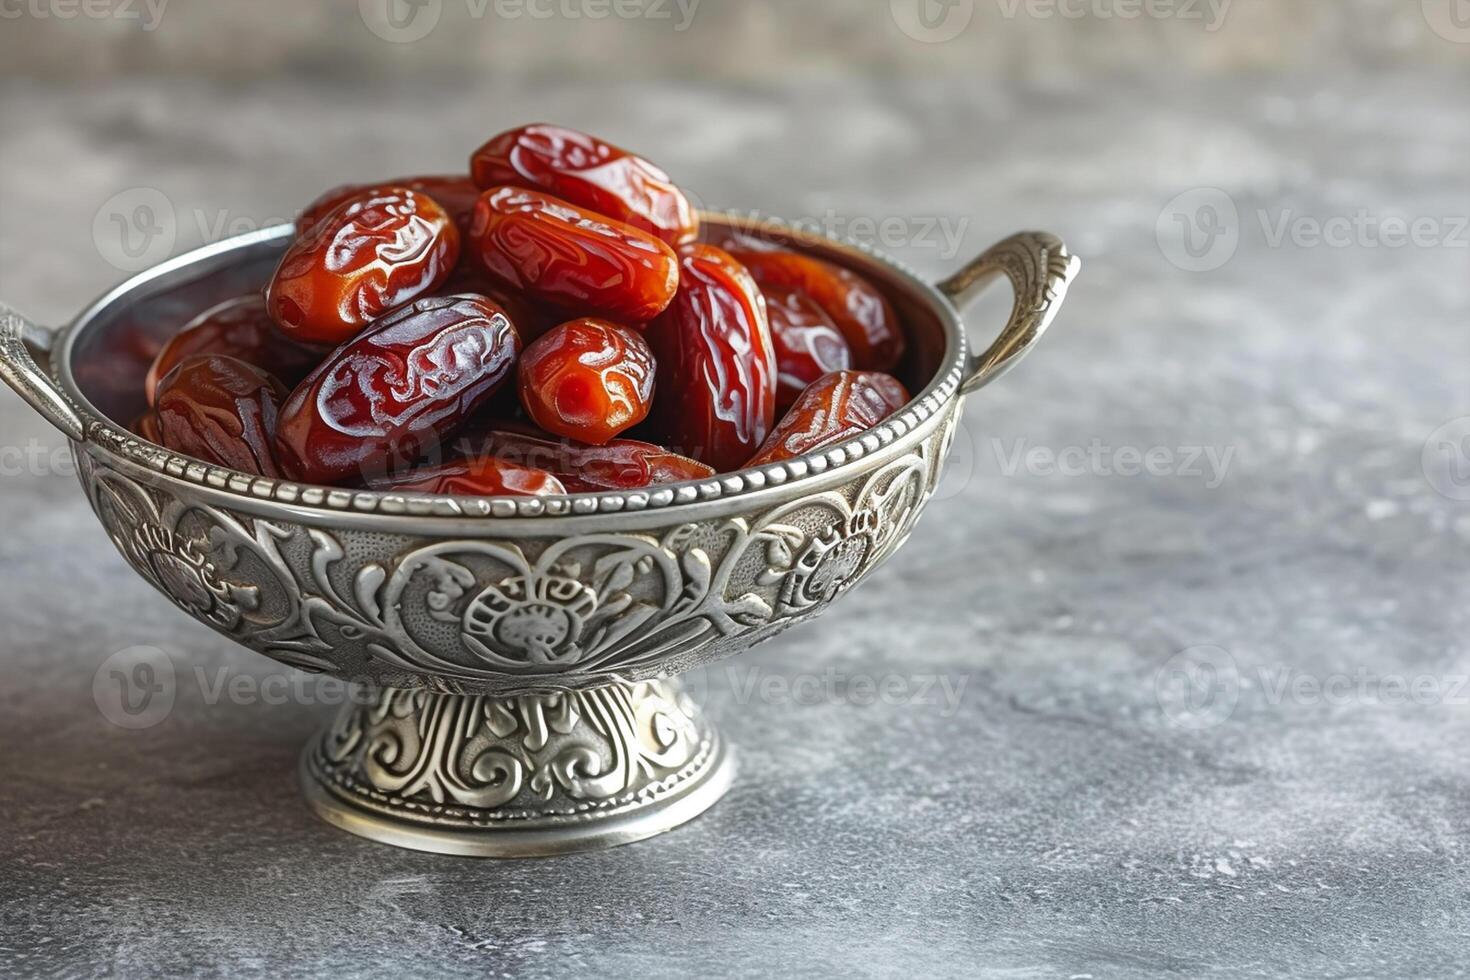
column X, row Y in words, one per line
column 495, row 614
column 526, row 757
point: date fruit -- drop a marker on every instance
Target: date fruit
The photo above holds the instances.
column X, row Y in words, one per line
column 589, row 173
column 622, row 464
column 374, row 252
column 833, row 408
column 221, row 410
column 238, row 327
column 456, row 194
column 807, row 343
column 857, row 308
column 588, row 380
column 716, row 363
column 482, row 476
column 557, row 252
column 379, row 403
column 531, row 319
column 146, row 426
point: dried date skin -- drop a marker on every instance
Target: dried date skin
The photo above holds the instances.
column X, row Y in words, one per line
column 835, row 407
column 863, row 314
column 221, row 410
column 622, row 464
column 531, row 319
column 558, row 253
column 716, row 363
column 146, row 426
column 455, row 193
column 588, row 380
column 590, row 173
column 482, row 476
column 808, row 345
column 373, row 253
column 381, row 402
column 238, row 327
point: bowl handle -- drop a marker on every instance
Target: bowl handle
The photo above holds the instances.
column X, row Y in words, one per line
column 18, row 368
column 1040, row 269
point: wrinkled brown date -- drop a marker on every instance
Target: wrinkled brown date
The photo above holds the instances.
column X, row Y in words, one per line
column 834, row 408
column 379, row 403
column 622, row 464
column 557, row 252
column 372, row 253
column 807, row 343
column 146, row 426
column 863, row 314
column 589, row 173
column 716, row 365
column 531, row 319
column 588, row 380
column 221, row 410
column 456, row 194
column 238, row 327
column 483, row 476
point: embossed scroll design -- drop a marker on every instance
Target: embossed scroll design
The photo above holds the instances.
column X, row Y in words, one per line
column 535, row 755
column 485, row 610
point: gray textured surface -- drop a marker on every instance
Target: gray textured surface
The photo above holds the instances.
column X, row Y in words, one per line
column 1060, row 822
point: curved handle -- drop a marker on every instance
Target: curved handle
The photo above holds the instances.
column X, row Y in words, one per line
column 18, row 368
column 1040, row 269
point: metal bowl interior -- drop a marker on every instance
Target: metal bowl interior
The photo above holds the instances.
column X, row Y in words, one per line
column 105, row 353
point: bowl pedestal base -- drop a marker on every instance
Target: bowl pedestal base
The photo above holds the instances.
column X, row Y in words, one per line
column 522, row 776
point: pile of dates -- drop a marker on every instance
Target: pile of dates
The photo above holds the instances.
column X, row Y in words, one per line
column 549, row 323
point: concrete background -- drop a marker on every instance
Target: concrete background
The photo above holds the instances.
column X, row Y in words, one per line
column 1072, row 811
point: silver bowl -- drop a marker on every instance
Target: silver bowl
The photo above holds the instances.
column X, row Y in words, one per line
column 516, row 656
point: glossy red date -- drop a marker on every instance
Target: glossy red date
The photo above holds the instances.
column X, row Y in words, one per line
column 863, row 314
column 456, row 194
column 622, row 464
column 373, row 253
column 807, row 343
column 379, row 403
column 483, row 476
column 587, row 380
column 531, row 319
column 238, row 327
column 589, row 173
column 834, row 408
column 221, row 410
column 716, row 364
column 555, row 251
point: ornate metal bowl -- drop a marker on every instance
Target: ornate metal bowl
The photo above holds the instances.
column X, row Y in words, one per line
column 516, row 655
